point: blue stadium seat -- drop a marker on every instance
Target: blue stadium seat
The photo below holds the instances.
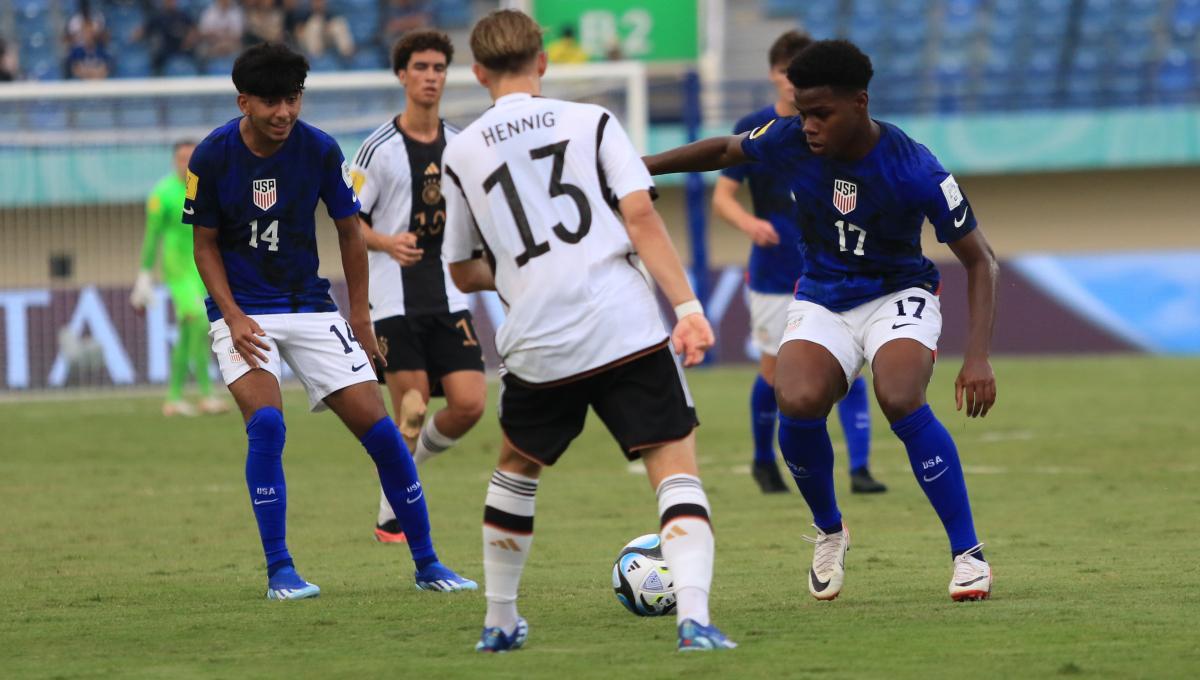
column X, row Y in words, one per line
column 325, row 62
column 452, row 14
column 221, row 66
column 142, row 116
column 367, row 58
column 180, row 66
column 47, row 116
column 133, row 62
column 1176, row 79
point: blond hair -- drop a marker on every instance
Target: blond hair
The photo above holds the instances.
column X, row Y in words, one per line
column 506, row 41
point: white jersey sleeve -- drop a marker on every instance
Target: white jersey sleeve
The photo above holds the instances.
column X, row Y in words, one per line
column 535, row 180
column 461, row 241
column 367, row 182
column 622, row 166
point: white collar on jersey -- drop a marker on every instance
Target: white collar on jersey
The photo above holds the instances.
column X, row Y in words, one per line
column 513, row 98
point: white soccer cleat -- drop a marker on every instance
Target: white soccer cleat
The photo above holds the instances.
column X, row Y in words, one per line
column 829, row 563
column 172, row 409
column 972, row 578
column 211, row 406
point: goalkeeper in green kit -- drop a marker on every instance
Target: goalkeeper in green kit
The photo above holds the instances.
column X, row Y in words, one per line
column 164, row 212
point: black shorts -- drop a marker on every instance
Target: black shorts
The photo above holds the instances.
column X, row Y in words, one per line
column 435, row 343
column 643, row 401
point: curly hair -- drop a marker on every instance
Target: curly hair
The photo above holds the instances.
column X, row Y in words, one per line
column 270, row 70
column 419, row 41
column 838, row 64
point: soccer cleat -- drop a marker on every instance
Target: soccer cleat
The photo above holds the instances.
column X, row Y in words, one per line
column 171, row 409
column 212, row 406
column 411, row 415
column 829, row 563
column 972, row 578
column 390, row 532
column 286, row 584
column 767, row 476
column 696, row 638
column 496, row 641
column 861, row 481
column 439, row 578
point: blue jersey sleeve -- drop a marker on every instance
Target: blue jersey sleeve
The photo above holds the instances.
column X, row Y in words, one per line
column 773, row 142
column 943, row 202
column 201, row 203
column 337, row 186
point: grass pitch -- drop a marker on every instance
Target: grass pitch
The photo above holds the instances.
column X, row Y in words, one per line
column 129, row 549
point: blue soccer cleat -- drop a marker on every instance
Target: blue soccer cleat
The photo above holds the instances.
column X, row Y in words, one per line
column 286, row 584
column 439, row 578
column 696, row 638
column 496, row 641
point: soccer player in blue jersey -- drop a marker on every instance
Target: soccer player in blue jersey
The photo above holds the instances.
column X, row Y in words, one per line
column 864, row 189
column 252, row 187
column 775, row 265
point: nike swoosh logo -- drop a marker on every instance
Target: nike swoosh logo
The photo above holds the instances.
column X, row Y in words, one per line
column 902, row 325
column 189, row 211
column 357, row 368
column 816, row 583
column 930, row 479
column 958, row 223
column 258, row 502
column 967, row 583
column 410, row 501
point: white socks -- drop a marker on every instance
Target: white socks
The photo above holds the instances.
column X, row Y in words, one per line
column 431, row 442
column 687, row 544
column 507, row 536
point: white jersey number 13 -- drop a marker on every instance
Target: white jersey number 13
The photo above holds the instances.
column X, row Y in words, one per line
column 503, row 177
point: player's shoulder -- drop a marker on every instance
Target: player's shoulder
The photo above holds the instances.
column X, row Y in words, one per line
column 450, row 130
column 311, row 133
column 755, row 119
column 900, row 147
column 378, row 142
column 216, row 143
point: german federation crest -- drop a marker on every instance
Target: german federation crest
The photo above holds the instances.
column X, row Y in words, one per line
column 264, row 193
column 845, row 196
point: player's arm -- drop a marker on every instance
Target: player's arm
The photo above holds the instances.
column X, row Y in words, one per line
column 976, row 381
column 713, row 153
column 402, row 247
column 728, row 208
column 471, row 276
column 692, row 336
column 354, row 266
column 243, row 330
column 143, row 287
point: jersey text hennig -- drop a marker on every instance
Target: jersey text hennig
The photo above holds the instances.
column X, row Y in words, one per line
column 503, row 131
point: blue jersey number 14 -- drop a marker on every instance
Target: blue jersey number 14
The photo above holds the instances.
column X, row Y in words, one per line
column 270, row 235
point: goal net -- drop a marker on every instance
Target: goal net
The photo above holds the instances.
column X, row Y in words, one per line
column 77, row 162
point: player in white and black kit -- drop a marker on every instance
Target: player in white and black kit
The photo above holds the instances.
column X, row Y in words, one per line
column 537, row 184
column 421, row 319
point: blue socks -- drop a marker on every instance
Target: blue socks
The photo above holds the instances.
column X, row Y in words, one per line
column 934, row 460
column 808, row 452
column 855, row 413
column 398, row 476
column 763, row 412
column 268, row 491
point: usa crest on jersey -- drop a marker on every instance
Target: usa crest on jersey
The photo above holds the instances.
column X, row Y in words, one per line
column 845, row 196
column 264, row 193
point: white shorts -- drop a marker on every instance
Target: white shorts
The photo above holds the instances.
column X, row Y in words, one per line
column 317, row 346
column 854, row 336
column 768, row 318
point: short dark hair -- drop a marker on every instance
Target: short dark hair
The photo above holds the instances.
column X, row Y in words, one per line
column 419, row 41
column 838, row 64
column 786, row 47
column 270, row 70
column 180, row 143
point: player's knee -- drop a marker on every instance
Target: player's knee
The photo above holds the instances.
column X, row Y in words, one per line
column 802, row 399
column 468, row 411
column 266, row 432
column 896, row 402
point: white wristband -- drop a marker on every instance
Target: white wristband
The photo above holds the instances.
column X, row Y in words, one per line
column 690, row 307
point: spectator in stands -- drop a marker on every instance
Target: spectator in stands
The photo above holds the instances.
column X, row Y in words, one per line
column 264, row 22
column 168, row 32
column 221, row 29
column 8, row 62
column 84, row 14
column 566, row 49
column 400, row 16
column 88, row 60
column 321, row 28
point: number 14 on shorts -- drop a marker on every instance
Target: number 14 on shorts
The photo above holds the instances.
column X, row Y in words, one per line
column 345, row 339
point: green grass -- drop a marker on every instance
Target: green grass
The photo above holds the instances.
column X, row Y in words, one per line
column 127, row 547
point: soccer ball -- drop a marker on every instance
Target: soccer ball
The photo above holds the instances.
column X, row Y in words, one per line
column 641, row 580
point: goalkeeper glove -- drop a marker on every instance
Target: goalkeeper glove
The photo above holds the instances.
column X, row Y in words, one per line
column 143, row 291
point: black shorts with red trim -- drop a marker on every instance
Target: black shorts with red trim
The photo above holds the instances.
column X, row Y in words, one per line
column 642, row 399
